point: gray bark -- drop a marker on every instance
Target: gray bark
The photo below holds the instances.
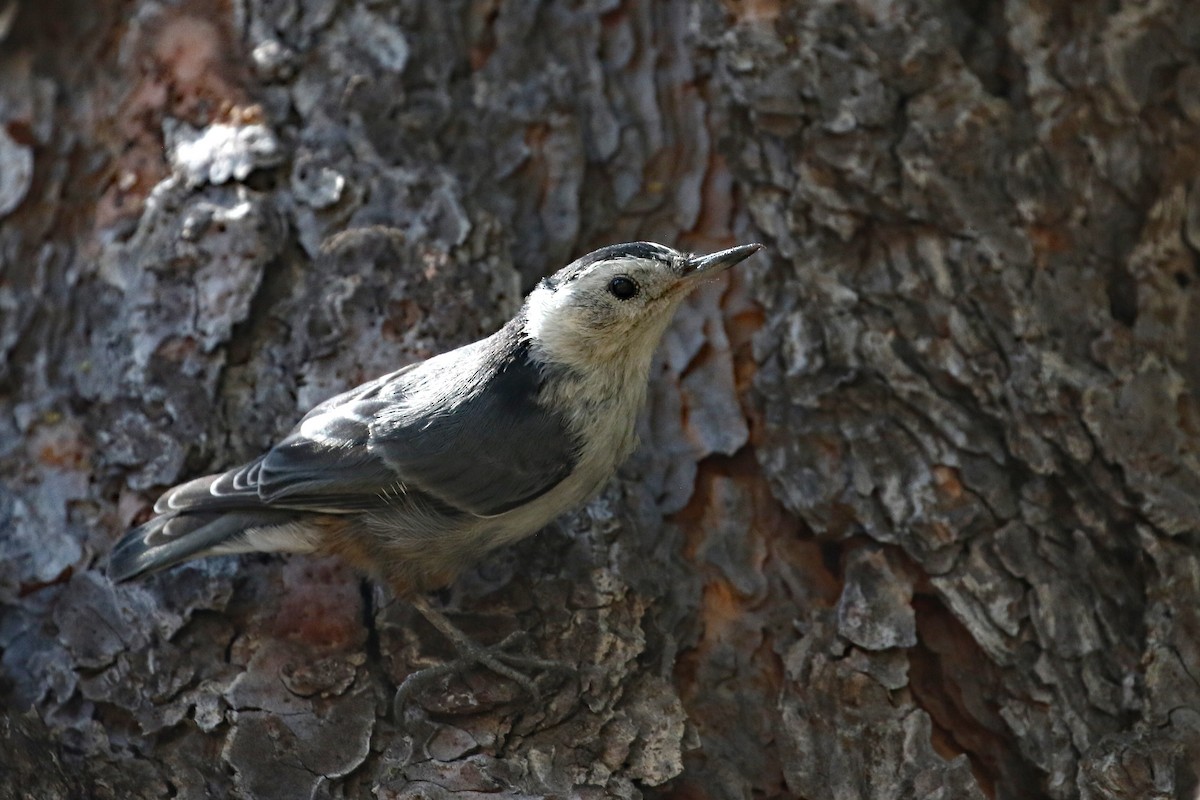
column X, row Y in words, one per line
column 917, row 505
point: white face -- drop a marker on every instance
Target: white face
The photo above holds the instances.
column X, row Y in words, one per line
column 615, row 303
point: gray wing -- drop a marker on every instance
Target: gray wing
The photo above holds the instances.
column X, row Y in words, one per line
column 460, row 433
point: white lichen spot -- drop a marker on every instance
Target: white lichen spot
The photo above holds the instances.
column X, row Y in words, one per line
column 220, row 152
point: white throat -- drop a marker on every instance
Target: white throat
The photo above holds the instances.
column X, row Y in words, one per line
column 562, row 337
column 606, row 372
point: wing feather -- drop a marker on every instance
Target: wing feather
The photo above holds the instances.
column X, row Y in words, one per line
column 464, row 432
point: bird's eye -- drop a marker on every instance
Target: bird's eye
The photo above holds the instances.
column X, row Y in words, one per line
column 622, row 288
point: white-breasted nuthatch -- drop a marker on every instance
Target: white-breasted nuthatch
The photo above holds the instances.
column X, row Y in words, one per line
column 416, row 475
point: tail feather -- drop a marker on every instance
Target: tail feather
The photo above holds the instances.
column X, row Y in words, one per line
column 170, row 539
column 224, row 490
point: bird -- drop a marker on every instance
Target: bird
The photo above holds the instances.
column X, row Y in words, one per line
column 415, row 475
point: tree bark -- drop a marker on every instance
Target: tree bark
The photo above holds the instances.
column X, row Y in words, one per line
column 916, row 511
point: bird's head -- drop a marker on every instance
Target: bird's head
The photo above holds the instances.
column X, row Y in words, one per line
column 616, row 302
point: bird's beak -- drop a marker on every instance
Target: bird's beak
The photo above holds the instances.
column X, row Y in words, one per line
column 699, row 267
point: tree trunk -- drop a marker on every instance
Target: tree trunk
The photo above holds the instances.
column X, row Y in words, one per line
column 916, row 510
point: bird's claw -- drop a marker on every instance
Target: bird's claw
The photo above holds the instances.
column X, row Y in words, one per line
column 495, row 658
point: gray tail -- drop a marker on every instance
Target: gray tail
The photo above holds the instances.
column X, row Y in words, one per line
column 170, row 539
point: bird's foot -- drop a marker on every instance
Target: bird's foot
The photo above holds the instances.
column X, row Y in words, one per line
column 496, row 658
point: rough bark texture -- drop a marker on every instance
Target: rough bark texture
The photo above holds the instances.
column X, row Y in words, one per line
column 916, row 512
